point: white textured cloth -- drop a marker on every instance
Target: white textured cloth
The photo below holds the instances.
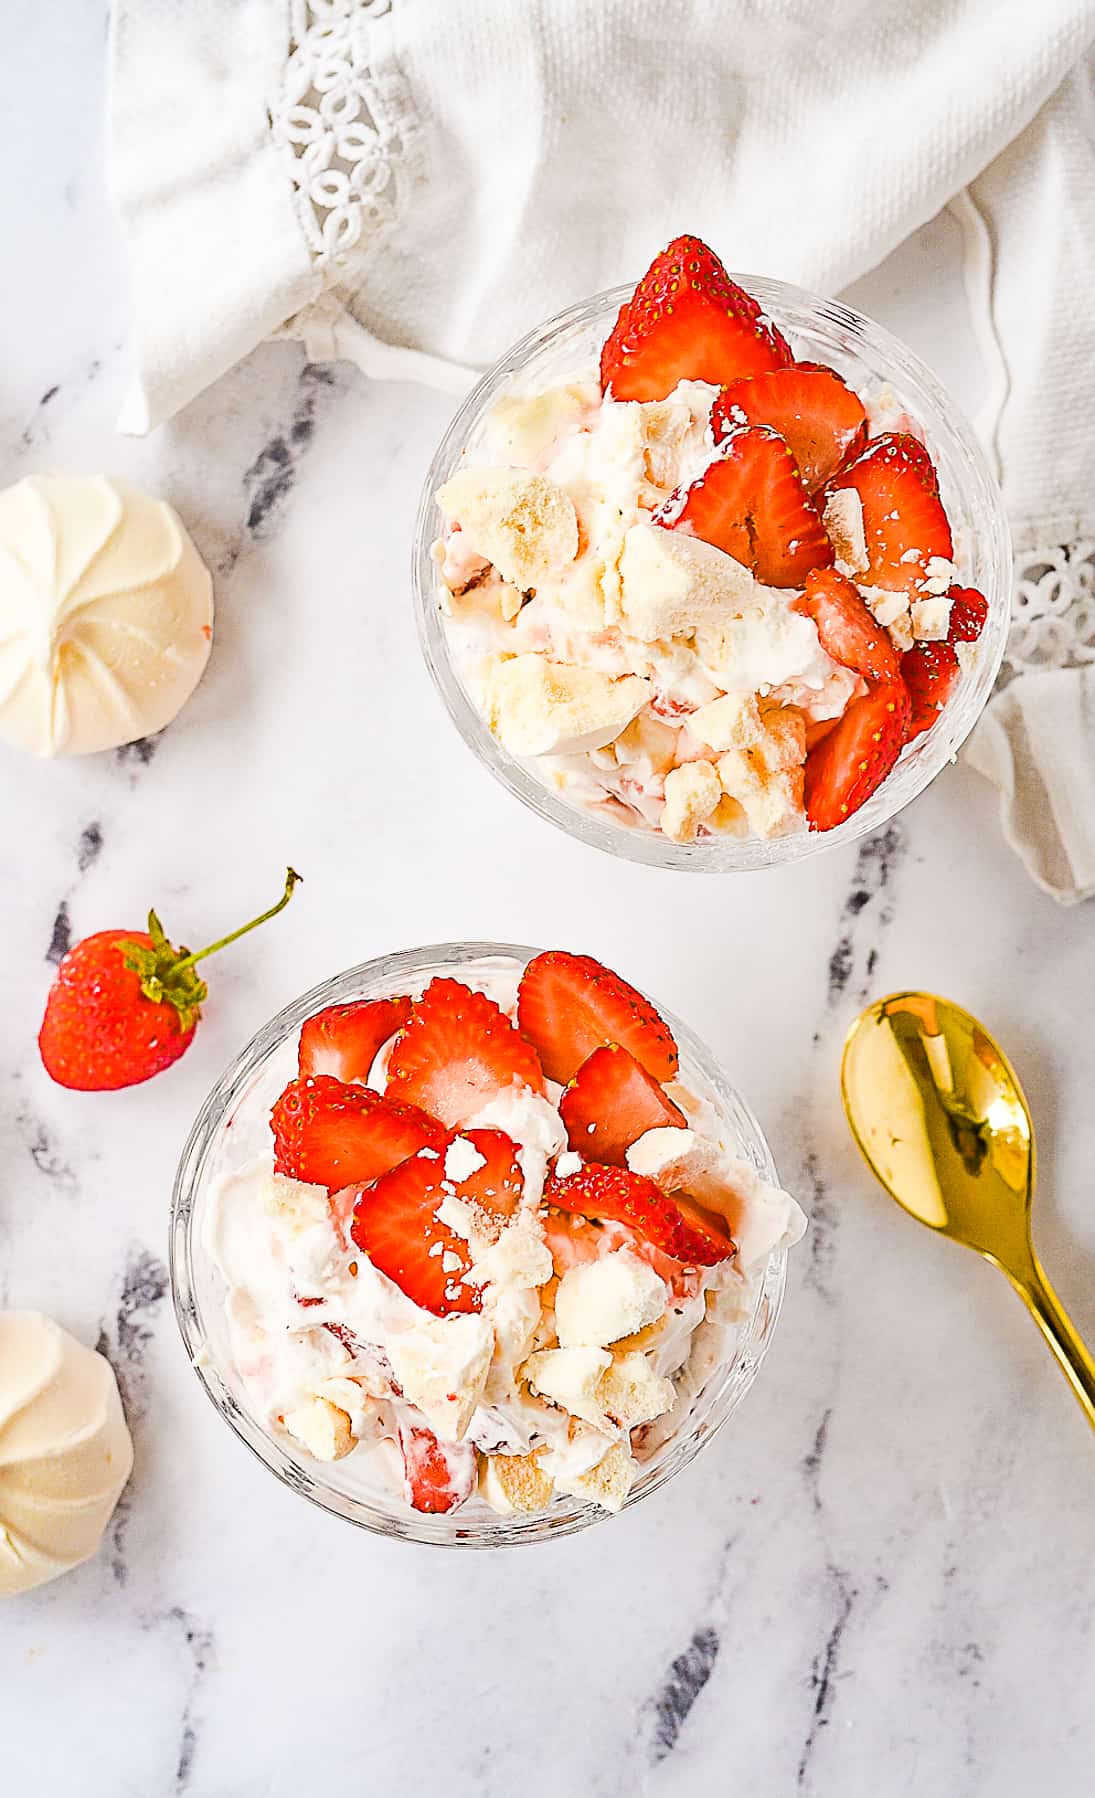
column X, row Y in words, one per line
column 414, row 183
column 1034, row 212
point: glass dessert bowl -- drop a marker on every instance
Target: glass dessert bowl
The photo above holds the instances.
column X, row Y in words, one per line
column 648, row 644
column 467, row 1333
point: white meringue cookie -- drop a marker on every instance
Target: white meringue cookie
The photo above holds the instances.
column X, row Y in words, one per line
column 106, row 614
column 65, row 1450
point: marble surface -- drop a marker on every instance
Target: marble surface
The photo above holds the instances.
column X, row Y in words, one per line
column 879, row 1578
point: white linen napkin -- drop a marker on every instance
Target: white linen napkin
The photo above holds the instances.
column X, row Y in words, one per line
column 1035, row 207
column 414, row 183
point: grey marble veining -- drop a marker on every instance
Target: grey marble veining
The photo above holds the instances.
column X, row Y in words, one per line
column 880, row 1578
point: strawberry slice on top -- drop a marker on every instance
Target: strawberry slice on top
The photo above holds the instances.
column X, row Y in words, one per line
column 615, row 1193
column 687, row 321
column 345, row 1040
column 396, row 1221
column 929, row 671
column 915, row 453
column 750, row 501
column 611, row 1101
column 904, row 522
column 818, row 416
column 568, row 1005
column 334, row 1135
column 458, row 1052
column 844, row 769
column 845, row 626
column 969, row 614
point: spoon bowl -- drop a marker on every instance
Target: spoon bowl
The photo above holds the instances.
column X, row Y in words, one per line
column 939, row 1116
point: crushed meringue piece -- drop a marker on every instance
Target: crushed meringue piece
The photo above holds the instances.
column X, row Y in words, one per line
column 521, row 522
column 538, row 707
column 599, row 1301
column 692, row 793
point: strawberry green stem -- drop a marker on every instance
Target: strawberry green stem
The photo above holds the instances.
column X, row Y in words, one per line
column 291, row 879
column 168, row 976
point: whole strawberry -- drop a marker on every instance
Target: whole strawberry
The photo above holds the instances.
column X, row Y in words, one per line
column 125, row 1004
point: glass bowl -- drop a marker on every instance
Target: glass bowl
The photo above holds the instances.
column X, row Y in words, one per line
column 240, row 1104
column 866, row 355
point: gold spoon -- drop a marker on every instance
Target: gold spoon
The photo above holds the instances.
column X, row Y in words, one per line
column 941, row 1120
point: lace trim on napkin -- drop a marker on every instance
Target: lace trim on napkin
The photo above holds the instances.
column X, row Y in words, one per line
column 1053, row 609
column 345, row 121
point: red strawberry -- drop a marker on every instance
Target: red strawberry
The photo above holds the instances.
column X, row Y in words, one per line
column 436, row 1478
column 458, row 1052
column 903, row 518
column 611, row 1101
column 396, row 1223
column 687, row 321
column 569, row 1005
column 344, row 1040
column 335, row 1135
column 848, row 632
column 632, row 1199
column 820, row 419
column 844, row 769
column 915, row 453
column 929, row 671
column 750, row 501
column 706, row 1226
column 126, row 1003
column 969, row 613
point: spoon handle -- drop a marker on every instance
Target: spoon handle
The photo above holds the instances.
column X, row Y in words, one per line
column 1071, row 1353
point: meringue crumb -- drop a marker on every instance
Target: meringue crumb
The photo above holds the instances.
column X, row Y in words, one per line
column 322, row 1428
column 462, row 1160
column 521, row 522
column 515, row 1482
column 692, row 793
column 843, row 521
column 609, row 1482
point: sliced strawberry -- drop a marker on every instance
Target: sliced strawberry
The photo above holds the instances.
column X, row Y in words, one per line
column 707, row 1226
column 750, row 502
column 969, row 614
column 345, row 1040
column 929, row 671
column 616, row 1193
column 917, row 455
column 495, row 1185
column 855, row 758
column 611, row 1101
column 904, row 523
column 820, row 419
column 458, row 1052
column 573, row 1240
column 396, row 1220
column 568, row 1005
column 436, row 1478
column 335, row 1135
column 687, row 321
column 848, row 632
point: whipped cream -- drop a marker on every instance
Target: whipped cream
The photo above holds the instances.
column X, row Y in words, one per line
column 583, row 1344
column 588, row 636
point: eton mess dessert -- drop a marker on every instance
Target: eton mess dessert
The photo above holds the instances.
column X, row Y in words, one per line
column 706, row 588
column 498, row 1245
